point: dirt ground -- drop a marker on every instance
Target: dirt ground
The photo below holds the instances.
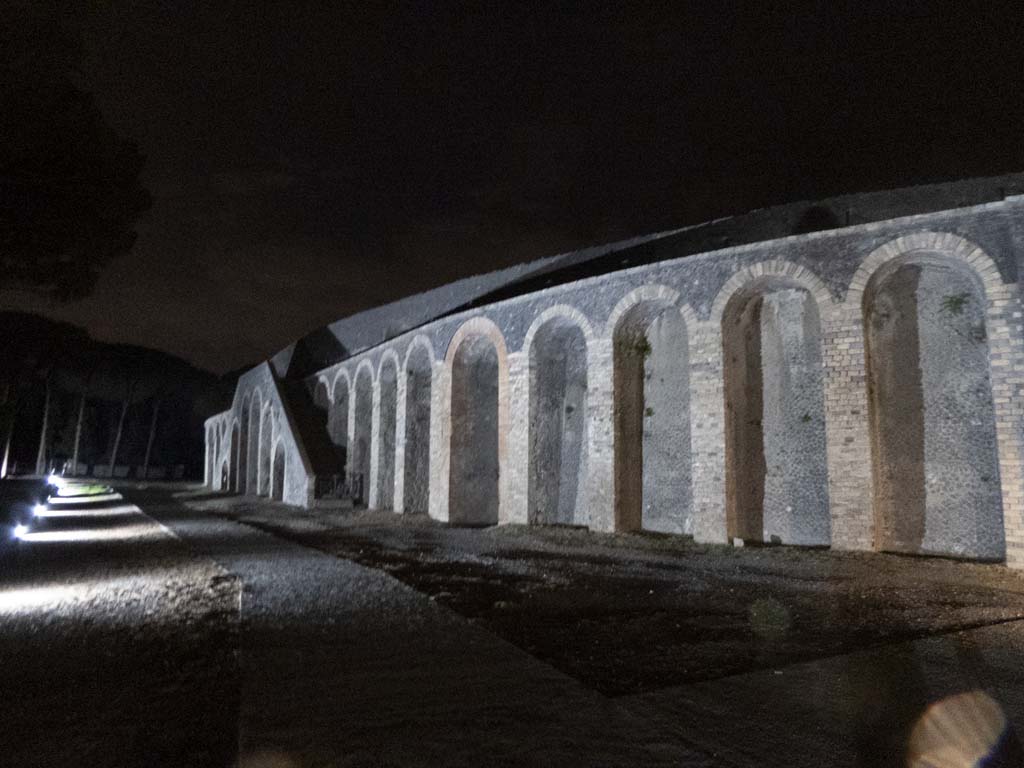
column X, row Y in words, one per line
column 630, row 613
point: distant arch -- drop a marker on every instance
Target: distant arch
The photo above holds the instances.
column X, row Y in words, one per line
column 243, row 446
column 233, row 459
column 363, row 434
column 477, row 360
column 337, row 418
column 418, row 367
column 252, row 447
column 278, row 478
column 266, row 448
column 387, row 384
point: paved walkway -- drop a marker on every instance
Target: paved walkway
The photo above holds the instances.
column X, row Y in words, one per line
column 344, row 665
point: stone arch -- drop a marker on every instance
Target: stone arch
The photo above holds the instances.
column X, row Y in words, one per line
column 252, row 447
column 556, row 348
column 419, row 369
column 233, row 458
column 651, row 386
column 279, row 470
column 477, row 361
column 266, row 438
column 387, row 384
column 776, row 459
column 362, row 438
column 934, row 451
column 211, row 456
column 243, row 445
column 337, row 419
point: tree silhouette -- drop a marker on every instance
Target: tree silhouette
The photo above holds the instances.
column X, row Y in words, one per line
column 69, row 184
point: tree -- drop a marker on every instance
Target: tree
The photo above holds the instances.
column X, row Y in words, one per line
column 70, row 193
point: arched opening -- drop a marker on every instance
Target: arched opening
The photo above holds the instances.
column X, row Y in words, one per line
column 218, row 459
column 253, row 448
column 386, row 457
column 933, row 435
column 776, row 464
column 475, row 468
column 266, row 435
column 653, row 487
column 417, row 430
column 211, row 457
column 557, row 422
column 321, row 403
column 233, row 458
column 243, row 449
column 362, row 436
column 277, row 482
column 337, row 422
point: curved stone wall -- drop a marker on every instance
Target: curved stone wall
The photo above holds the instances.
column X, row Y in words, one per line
column 745, row 393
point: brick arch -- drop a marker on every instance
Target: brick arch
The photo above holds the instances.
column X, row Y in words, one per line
column 932, row 467
column 653, row 293
column 341, row 373
column 388, row 354
column 462, row 414
column 565, row 311
column 767, row 273
column 419, row 340
column 954, row 247
column 775, row 428
column 652, row 480
column 559, row 354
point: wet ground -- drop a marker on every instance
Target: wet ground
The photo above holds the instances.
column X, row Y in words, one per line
column 173, row 627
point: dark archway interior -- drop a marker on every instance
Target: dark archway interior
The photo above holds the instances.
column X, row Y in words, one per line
column 934, row 452
column 417, row 430
column 363, row 431
column 776, row 459
column 337, row 423
column 277, row 483
column 474, row 482
column 386, row 457
column 266, row 435
column 653, row 486
column 558, row 422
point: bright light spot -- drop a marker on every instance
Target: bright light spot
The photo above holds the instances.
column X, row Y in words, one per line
column 29, row 598
column 121, row 533
column 20, row 531
column 961, row 730
column 55, row 480
column 39, row 510
column 119, row 511
column 99, row 498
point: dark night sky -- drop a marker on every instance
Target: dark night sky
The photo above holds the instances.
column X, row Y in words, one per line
column 307, row 164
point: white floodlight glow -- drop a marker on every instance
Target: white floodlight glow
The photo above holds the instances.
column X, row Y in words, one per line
column 20, row 530
column 55, row 479
column 39, row 510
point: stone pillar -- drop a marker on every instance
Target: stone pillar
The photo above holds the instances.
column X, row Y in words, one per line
column 440, row 441
column 398, row 503
column 516, row 483
column 372, row 501
column 599, row 488
column 1006, row 355
column 847, row 428
column 707, row 433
